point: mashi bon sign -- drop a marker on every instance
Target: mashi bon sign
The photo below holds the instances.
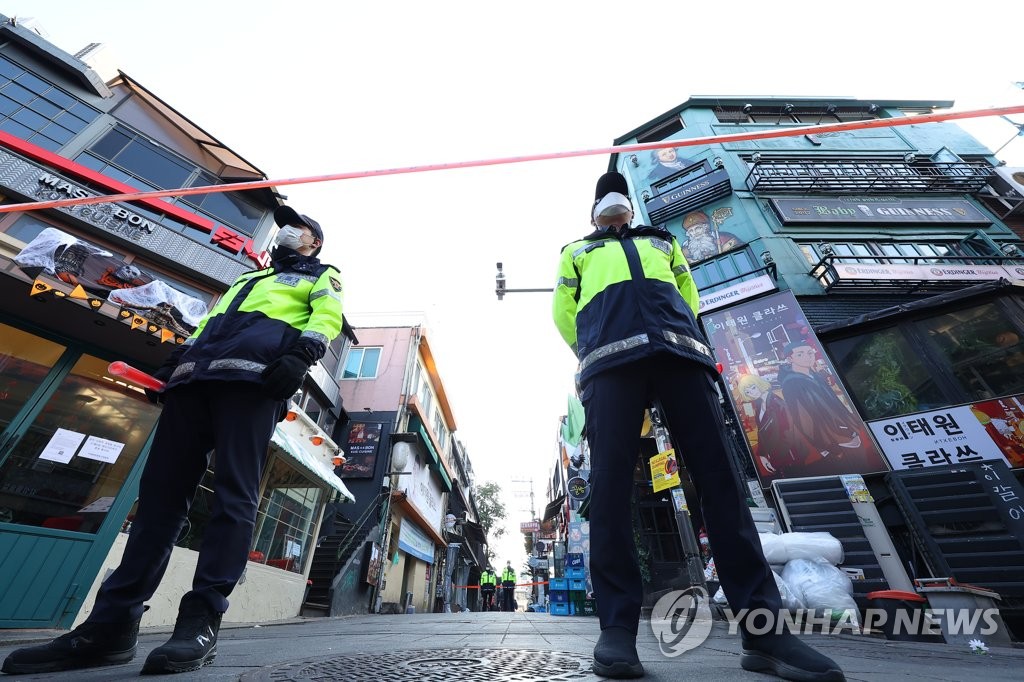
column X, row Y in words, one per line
column 796, row 416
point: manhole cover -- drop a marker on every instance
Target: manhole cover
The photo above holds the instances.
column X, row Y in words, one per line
column 435, row 665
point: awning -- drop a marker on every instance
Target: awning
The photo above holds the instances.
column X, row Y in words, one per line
column 929, row 303
column 308, row 463
column 553, row 507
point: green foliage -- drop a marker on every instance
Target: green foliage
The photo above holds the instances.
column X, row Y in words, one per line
column 491, row 512
column 886, row 393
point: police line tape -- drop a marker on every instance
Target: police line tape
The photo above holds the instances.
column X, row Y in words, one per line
column 619, row 149
column 476, row 587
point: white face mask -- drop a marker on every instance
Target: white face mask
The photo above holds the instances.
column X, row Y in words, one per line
column 289, row 237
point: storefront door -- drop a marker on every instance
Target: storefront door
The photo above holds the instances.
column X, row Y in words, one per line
column 70, row 440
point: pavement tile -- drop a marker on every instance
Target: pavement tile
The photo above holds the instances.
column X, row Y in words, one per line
column 248, row 649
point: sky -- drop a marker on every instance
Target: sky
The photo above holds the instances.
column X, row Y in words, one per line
column 312, row 88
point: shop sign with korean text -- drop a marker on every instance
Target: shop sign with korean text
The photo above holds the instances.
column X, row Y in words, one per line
column 795, row 413
column 414, row 541
column 529, row 526
column 992, row 429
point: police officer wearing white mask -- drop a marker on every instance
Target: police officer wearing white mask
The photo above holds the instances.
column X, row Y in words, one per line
column 627, row 306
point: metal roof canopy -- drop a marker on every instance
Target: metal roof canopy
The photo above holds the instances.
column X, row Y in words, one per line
column 308, row 463
column 932, row 302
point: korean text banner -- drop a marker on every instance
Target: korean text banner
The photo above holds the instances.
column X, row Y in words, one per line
column 796, row 415
column 992, row 429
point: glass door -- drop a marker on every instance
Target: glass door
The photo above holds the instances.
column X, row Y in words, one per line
column 68, row 458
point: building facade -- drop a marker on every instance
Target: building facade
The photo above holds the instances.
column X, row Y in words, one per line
column 84, row 285
column 861, row 290
column 411, row 476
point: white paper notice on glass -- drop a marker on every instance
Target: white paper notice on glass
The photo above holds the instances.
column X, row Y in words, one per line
column 101, row 449
column 62, row 446
column 100, row 504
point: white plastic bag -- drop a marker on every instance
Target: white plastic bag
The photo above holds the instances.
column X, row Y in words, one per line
column 789, row 600
column 821, row 585
column 812, row 546
column 773, row 548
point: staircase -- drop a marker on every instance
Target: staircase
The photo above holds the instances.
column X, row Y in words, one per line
column 333, row 555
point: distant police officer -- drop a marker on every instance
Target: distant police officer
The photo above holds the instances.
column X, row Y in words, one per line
column 508, row 587
column 227, row 387
column 488, row 582
column 626, row 304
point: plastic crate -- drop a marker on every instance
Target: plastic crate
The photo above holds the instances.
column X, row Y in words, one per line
column 573, row 560
column 558, row 584
column 576, row 573
column 577, row 585
column 559, row 609
column 589, row 607
column 558, row 596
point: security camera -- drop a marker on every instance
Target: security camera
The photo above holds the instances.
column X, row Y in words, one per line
column 747, row 108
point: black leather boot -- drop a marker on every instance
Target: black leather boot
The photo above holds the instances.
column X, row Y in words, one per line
column 193, row 643
column 87, row 646
column 789, row 658
column 615, row 654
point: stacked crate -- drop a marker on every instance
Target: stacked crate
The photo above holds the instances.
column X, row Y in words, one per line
column 576, row 575
column 558, row 593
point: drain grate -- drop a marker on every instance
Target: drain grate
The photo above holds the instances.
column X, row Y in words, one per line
column 434, row 665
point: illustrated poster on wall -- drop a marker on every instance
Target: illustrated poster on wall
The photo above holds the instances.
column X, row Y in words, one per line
column 361, row 450
column 796, row 415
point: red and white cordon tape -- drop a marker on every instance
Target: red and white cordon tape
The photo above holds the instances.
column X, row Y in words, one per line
column 620, row 149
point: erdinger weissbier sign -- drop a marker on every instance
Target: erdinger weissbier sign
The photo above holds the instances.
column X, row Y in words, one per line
column 796, row 415
column 991, row 429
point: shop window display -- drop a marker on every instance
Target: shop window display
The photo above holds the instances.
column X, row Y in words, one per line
column 284, row 524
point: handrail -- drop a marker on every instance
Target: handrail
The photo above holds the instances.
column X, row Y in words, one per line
column 358, row 526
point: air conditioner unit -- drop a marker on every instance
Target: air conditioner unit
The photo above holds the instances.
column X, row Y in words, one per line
column 1014, row 177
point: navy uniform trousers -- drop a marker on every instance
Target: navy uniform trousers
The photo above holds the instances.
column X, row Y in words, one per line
column 614, row 401
column 236, row 420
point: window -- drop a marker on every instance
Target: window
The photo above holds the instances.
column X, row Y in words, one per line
column 725, row 271
column 38, row 111
column 313, row 409
column 133, row 159
column 949, row 358
column 362, row 363
column 331, row 361
column 440, row 432
column 284, row 523
column 982, row 348
column 426, row 397
column 889, row 252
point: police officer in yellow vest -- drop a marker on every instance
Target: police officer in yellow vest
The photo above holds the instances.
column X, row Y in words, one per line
column 488, row 583
column 508, row 587
column 626, row 304
column 227, row 388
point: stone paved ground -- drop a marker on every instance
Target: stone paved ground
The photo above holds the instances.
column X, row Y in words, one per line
column 272, row 651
